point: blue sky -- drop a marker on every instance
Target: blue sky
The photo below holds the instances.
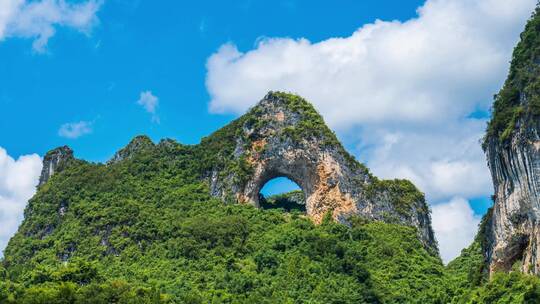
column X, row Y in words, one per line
column 407, row 85
column 160, row 46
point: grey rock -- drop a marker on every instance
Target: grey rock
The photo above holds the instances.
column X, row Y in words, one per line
column 513, row 234
column 55, row 161
column 280, row 140
column 137, row 144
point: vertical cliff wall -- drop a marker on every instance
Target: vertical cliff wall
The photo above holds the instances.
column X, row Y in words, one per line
column 512, row 146
column 54, row 161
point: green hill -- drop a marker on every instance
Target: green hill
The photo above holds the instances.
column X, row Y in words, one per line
column 147, row 229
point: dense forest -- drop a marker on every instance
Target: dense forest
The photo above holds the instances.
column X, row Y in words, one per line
column 146, row 230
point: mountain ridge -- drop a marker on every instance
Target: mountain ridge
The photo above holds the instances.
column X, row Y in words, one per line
column 147, row 224
column 283, row 135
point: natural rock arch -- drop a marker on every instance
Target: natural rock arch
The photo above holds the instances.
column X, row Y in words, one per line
column 283, row 135
column 303, row 168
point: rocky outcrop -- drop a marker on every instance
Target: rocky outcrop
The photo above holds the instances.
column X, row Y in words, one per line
column 512, row 145
column 514, row 234
column 55, row 161
column 283, row 136
column 137, row 144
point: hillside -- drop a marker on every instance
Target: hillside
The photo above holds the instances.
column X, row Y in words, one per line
column 167, row 223
column 147, row 226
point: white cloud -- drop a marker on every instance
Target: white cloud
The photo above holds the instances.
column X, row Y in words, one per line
column 401, row 92
column 443, row 161
column 38, row 20
column 75, row 130
column 18, row 180
column 150, row 103
column 455, row 226
column 444, row 64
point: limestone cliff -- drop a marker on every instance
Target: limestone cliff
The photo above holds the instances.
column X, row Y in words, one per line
column 54, row 161
column 512, row 146
column 283, row 136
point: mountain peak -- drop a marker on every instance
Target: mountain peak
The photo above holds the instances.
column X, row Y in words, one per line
column 137, row 144
column 55, row 161
column 284, row 136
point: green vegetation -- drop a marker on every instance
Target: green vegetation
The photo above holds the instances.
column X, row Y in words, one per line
column 471, row 285
column 520, row 96
column 468, row 281
column 402, row 194
column 146, row 230
column 312, row 125
column 507, row 288
column 289, row 201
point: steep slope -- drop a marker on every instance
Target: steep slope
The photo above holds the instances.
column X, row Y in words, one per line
column 512, row 146
column 283, row 135
column 152, row 223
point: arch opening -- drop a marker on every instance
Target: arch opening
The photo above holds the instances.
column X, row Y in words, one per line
column 282, row 193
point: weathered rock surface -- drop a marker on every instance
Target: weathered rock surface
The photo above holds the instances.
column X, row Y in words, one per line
column 283, row 136
column 512, row 228
column 137, row 144
column 513, row 234
column 55, row 161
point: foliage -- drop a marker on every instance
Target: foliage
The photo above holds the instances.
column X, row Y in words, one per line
column 147, row 228
column 144, row 229
column 466, row 271
column 67, row 292
column 289, row 201
column 469, row 282
column 512, row 287
column 520, row 96
column 402, row 194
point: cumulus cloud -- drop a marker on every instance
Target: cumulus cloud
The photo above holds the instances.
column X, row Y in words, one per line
column 405, row 94
column 455, row 227
column 38, row 20
column 443, row 162
column 18, row 181
column 444, row 64
column 150, row 103
column 75, row 130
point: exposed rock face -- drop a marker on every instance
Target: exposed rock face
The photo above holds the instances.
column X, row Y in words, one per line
column 55, row 161
column 514, row 226
column 137, row 144
column 283, row 136
column 512, row 145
